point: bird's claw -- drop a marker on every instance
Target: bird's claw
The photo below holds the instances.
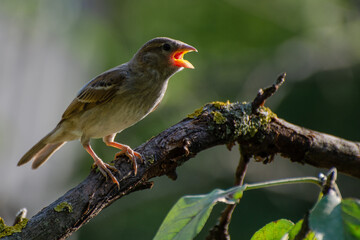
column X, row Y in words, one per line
column 132, row 155
column 111, row 167
column 105, row 168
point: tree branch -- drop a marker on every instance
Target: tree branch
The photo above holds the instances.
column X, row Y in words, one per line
column 261, row 133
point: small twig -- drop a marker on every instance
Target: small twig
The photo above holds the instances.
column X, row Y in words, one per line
column 264, row 94
column 281, row 182
column 221, row 229
column 242, row 167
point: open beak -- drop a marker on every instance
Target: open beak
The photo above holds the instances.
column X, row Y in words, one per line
column 178, row 55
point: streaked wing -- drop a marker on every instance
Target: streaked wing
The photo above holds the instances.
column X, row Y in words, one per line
column 98, row 91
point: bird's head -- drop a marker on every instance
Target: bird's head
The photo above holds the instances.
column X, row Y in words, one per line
column 164, row 54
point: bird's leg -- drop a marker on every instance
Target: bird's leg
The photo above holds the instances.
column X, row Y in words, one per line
column 104, row 168
column 131, row 154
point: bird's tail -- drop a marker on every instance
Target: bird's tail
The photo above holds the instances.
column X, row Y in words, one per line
column 40, row 152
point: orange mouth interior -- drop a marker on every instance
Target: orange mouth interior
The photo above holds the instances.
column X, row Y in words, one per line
column 180, row 61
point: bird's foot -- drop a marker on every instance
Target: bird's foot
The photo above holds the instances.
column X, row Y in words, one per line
column 131, row 154
column 105, row 168
column 109, row 166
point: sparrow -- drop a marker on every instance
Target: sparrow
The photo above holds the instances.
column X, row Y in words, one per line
column 114, row 101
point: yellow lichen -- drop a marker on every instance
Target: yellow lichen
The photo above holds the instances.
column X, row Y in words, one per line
column 266, row 115
column 241, row 116
column 220, row 105
column 64, row 206
column 196, row 113
column 251, row 124
column 9, row 230
column 218, row 117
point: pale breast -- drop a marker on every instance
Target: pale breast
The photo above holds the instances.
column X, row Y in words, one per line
column 120, row 113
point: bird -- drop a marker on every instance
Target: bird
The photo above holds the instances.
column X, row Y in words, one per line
column 113, row 101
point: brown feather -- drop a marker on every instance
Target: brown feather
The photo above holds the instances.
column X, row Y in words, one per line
column 37, row 148
column 45, row 153
column 98, row 91
column 32, row 152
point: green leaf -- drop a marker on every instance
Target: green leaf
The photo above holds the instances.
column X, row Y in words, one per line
column 333, row 218
column 351, row 218
column 324, row 218
column 189, row 215
column 274, row 230
column 296, row 229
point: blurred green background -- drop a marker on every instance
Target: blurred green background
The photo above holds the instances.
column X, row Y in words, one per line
column 49, row 49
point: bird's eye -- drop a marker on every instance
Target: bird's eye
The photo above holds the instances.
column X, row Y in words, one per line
column 166, row 47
